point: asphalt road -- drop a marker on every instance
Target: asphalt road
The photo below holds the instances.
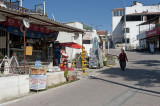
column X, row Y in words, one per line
column 139, row 85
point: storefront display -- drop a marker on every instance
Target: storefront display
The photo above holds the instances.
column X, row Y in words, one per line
column 64, row 61
column 84, row 59
column 93, row 59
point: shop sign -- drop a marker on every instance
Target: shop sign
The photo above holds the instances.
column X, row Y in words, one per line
column 37, row 82
column 34, row 31
column 16, row 23
column 153, row 32
column 38, row 71
column 29, row 50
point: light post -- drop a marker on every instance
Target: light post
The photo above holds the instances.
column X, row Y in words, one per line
column 108, row 42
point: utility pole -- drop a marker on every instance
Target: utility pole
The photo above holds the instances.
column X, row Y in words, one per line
column 21, row 3
column 44, row 9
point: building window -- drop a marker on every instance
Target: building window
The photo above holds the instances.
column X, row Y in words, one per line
column 116, row 13
column 128, row 40
column 127, row 30
column 86, row 42
column 134, row 18
column 122, row 13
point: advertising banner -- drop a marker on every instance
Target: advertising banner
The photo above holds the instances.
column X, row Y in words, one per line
column 153, row 32
column 37, row 82
column 16, row 27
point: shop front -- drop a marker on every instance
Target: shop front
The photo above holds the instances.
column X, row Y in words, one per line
column 39, row 41
column 153, row 37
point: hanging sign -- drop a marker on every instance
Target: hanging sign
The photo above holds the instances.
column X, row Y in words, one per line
column 29, row 50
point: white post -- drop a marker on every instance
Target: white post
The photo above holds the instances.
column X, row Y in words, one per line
column 44, row 7
column 21, row 3
column 108, row 44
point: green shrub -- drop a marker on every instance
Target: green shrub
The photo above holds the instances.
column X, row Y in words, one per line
column 66, row 73
column 105, row 63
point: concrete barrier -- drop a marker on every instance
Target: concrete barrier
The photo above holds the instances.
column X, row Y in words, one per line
column 13, row 86
column 55, row 78
column 18, row 85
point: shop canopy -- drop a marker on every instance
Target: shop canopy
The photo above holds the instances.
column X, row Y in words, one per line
column 19, row 13
column 71, row 45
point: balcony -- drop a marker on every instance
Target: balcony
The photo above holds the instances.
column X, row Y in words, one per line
column 6, row 4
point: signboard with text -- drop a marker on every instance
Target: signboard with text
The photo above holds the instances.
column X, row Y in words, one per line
column 38, row 82
column 153, row 32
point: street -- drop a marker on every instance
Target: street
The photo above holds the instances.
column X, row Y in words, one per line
column 138, row 85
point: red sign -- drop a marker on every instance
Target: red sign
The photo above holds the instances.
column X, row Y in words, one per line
column 16, row 23
column 153, row 32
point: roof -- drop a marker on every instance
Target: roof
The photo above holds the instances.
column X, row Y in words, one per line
column 146, row 13
column 35, row 18
column 117, row 9
column 149, row 21
column 101, row 32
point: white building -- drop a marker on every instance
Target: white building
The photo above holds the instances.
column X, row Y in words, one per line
column 88, row 38
column 132, row 16
column 64, row 37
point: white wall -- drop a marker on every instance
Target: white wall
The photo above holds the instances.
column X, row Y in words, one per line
column 89, row 46
column 134, row 32
column 140, row 9
column 55, row 78
column 13, row 86
column 71, row 37
column 116, row 27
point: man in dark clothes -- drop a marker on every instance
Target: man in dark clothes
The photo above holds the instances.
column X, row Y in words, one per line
column 122, row 59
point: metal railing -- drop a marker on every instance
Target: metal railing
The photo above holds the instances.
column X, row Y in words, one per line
column 15, row 70
column 16, row 7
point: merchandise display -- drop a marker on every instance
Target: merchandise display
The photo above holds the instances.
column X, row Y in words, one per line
column 93, row 59
column 64, row 61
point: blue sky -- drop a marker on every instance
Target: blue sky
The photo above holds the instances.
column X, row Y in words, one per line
column 90, row 12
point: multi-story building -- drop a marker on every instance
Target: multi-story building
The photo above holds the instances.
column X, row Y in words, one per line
column 125, row 22
column 150, row 35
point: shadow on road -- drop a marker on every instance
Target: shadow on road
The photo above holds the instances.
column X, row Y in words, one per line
column 139, row 89
column 143, row 77
column 148, row 62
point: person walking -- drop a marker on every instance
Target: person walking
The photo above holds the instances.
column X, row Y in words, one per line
column 122, row 59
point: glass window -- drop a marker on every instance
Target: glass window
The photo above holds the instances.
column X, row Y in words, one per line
column 86, row 42
column 121, row 13
column 127, row 30
column 116, row 13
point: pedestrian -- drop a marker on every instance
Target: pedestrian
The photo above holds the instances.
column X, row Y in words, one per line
column 122, row 59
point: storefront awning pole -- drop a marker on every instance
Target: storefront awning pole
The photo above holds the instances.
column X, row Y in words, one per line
column 24, row 50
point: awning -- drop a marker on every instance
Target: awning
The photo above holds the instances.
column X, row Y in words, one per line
column 35, row 18
column 71, row 45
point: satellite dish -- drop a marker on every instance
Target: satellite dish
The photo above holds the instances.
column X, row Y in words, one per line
column 26, row 22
